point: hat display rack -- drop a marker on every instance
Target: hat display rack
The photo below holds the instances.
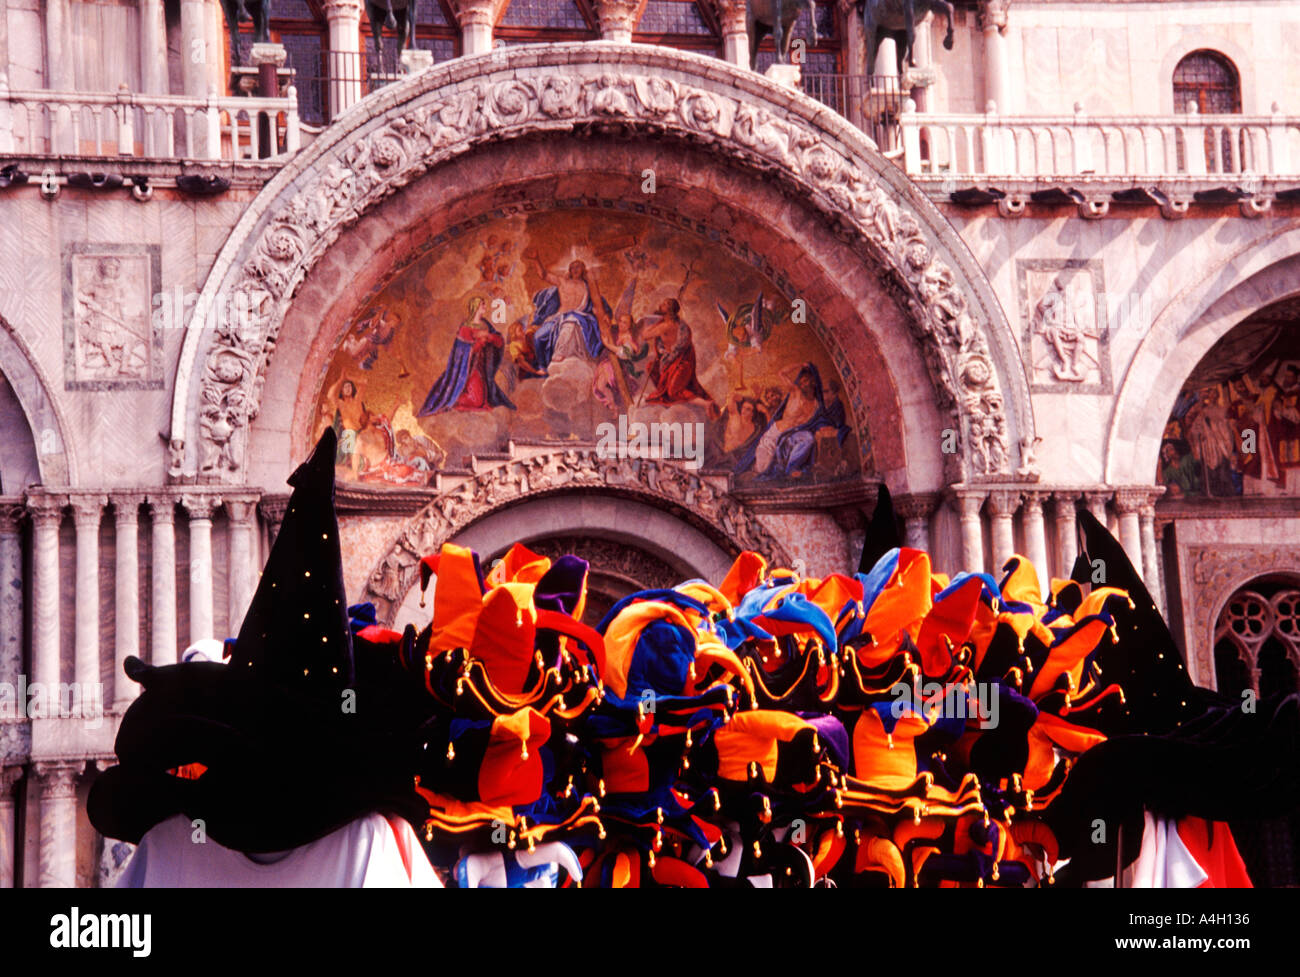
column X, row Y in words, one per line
column 892, row 727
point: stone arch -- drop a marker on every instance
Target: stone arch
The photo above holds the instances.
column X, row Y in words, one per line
column 1180, row 336
column 46, row 423
column 659, row 504
column 564, row 93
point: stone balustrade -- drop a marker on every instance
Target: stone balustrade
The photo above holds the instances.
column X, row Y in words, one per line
column 1188, row 145
column 128, row 124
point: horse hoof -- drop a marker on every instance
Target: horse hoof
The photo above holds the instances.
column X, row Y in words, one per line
column 947, row 43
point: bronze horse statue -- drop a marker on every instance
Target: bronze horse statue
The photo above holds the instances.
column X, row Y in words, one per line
column 776, row 17
column 900, row 15
column 396, row 15
column 258, row 11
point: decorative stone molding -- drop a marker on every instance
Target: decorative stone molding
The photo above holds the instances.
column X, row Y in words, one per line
column 557, row 90
column 570, row 470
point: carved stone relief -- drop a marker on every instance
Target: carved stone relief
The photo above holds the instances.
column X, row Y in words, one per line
column 112, row 340
column 1064, row 316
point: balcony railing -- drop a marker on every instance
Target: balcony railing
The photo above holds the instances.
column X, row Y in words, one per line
column 337, row 81
column 871, row 102
column 1111, row 146
column 50, row 123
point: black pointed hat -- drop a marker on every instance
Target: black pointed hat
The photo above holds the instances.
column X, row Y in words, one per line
column 882, row 531
column 1177, row 749
column 280, row 746
column 296, row 633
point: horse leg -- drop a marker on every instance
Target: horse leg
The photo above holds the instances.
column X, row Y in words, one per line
column 948, row 11
column 906, row 56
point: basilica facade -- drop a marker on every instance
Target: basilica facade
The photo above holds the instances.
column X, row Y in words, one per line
column 603, row 277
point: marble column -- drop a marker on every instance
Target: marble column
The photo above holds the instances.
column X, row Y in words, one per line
column 163, row 649
column 243, row 575
column 992, row 20
column 618, row 18
column 194, row 48
column 47, row 513
column 11, row 593
column 200, row 509
column 916, row 510
column 476, row 19
column 735, row 32
column 968, row 504
column 1067, row 542
column 126, row 597
column 1002, row 507
column 153, row 48
column 855, row 61
column 1036, row 538
column 60, row 75
column 1151, row 555
column 344, row 18
column 87, row 512
column 272, row 511
column 9, row 776
column 58, row 783
column 1127, row 503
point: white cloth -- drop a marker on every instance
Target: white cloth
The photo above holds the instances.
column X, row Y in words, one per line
column 366, row 853
column 1163, row 862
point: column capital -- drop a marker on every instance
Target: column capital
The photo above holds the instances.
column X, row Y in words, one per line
column 8, row 777
column 1004, row 502
column 240, row 511
column 1033, row 501
column 992, row 15
column 618, row 18
column 731, row 16
column 1097, row 499
column 200, row 506
column 1129, row 499
column 485, row 13
column 343, row 10
column 162, row 507
column 967, row 502
column 916, row 506
column 46, row 510
column 87, row 510
column 1065, row 499
column 58, row 777
column 12, row 512
column 126, row 508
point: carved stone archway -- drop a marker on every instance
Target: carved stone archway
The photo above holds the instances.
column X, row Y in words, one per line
column 697, row 501
column 559, row 92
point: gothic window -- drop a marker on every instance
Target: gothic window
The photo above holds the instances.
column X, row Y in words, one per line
column 1257, row 647
column 1257, row 639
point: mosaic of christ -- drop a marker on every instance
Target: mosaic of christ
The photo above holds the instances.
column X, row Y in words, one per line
column 542, row 327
